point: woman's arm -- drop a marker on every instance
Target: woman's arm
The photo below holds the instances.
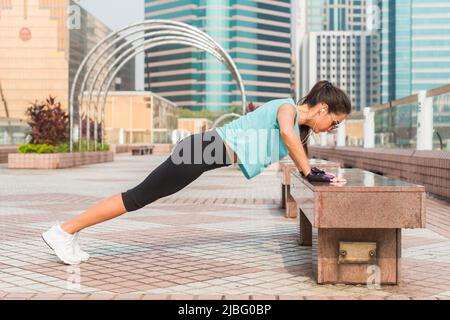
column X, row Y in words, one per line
column 286, row 120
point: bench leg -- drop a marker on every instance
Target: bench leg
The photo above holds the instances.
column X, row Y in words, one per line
column 325, row 255
column 305, row 230
column 283, row 196
column 291, row 207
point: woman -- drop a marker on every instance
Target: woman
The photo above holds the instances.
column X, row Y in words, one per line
column 285, row 128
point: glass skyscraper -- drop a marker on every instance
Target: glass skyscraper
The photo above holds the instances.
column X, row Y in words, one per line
column 415, row 46
column 256, row 34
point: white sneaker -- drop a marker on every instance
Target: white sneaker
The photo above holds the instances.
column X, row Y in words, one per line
column 62, row 243
column 83, row 255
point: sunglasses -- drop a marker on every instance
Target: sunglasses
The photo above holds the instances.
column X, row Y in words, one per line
column 335, row 124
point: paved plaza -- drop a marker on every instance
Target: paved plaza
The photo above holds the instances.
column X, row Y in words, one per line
column 222, row 237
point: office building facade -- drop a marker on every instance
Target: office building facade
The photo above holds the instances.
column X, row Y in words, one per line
column 350, row 60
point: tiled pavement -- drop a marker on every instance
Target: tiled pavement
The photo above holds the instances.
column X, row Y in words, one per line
column 222, row 237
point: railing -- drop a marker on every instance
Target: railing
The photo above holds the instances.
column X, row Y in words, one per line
column 396, row 124
column 420, row 121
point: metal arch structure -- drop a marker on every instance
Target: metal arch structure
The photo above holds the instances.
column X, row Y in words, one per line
column 223, row 117
column 116, row 50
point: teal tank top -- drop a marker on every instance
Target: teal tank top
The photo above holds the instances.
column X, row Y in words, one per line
column 256, row 137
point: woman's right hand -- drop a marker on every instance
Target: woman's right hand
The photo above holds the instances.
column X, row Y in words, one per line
column 317, row 175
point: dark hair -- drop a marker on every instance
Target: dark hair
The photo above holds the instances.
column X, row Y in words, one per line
column 324, row 92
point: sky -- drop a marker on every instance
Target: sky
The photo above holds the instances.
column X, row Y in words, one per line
column 117, row 14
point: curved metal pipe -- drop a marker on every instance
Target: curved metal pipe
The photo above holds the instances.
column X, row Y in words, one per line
column 223, row 117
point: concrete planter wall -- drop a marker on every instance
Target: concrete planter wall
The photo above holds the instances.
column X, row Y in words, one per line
column 57, row 160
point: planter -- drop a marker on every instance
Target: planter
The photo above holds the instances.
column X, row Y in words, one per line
column 57, row 160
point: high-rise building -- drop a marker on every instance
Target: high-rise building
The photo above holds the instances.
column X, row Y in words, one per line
column 42, row 44
column 415, row 46
column 256, row 34
column 349, row 59
column 339, row 41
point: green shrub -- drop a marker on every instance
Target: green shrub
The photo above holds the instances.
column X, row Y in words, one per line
column 37, row 148
column 60, row 148
column 76, row 146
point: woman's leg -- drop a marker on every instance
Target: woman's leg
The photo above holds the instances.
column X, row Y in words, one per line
column 107, row 209
column 165, row 180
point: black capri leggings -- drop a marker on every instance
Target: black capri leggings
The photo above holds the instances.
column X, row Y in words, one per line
column 191, row 157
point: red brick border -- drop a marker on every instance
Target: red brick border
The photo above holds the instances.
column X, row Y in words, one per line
column 57, row 160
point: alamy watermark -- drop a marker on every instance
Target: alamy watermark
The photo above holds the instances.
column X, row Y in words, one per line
column 73, row 281
column 74, row 15
column 373, row 16
column 374, row 279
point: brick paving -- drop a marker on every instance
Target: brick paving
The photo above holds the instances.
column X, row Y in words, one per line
column 223, row 237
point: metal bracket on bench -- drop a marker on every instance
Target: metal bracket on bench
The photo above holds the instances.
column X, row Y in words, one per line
column 357, row 252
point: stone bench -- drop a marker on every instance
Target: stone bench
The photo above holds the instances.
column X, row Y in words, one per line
column 355, row 228
column 285, row 168
column 142, row 150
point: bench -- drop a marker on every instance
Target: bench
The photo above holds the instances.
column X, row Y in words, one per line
column 142, row 150
column 355, row 228
column 285, row 167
